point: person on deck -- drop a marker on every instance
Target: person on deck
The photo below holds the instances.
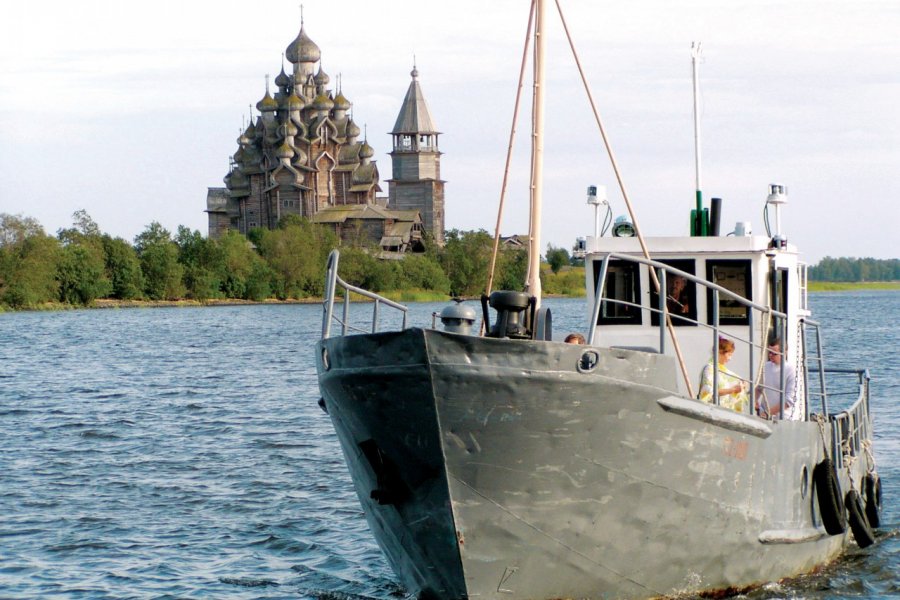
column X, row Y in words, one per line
column 677, row 301
column 732, row 389
column 768, row 396
column 575, row 338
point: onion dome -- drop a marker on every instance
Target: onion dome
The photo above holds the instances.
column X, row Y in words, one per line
column 323, row 102
column 249, row 133
column 341, row 103
column 282, row 80
column 366, row 151
column 267, row 103
column 299, row 156
column 302, row 49
column 322, row 77
column 295, row 102
column 238, row 179
column 251, row 155
column 284, row 151
column 287, row 128
column 352, row 129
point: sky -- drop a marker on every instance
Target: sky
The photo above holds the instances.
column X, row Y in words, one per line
column 130, row 110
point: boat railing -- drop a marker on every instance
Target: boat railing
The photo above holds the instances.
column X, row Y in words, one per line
column 816, row 382
column 852, row 426
column 333, row 283
column 756, row 345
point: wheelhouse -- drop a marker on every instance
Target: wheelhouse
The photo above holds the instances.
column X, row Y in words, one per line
column 742, row 288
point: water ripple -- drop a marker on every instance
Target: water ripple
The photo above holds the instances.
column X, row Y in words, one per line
column 182, row 454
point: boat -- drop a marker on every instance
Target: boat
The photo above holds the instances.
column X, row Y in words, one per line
column 500, row 462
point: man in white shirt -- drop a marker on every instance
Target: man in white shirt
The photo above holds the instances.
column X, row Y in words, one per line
column 768, row 396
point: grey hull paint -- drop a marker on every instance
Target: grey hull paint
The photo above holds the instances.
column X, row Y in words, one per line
column 504, row 469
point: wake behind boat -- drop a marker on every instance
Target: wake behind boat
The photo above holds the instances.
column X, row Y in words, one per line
column 513, row 465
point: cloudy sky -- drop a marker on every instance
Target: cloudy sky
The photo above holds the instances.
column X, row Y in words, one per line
column 130, row 110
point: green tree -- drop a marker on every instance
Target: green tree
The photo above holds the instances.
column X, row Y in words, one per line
column 82, row 274
column 360, row 267
column 82, row 266
column 203, row 262
column 296, row 253
column 423, row 272
column 245, row 273
column 28, row 262
column 466, row 258
column 557, row 258
column 512, row 264
column 123, row 268
column 159, row 263
column 14, row 229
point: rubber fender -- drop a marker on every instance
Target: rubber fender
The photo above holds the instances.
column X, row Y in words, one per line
column 872, row 488
column 828, row 494
column 862, row 532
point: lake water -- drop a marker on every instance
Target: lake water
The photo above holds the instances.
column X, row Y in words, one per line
column 180, row 453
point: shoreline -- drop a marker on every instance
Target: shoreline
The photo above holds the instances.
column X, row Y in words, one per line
column 107, row 303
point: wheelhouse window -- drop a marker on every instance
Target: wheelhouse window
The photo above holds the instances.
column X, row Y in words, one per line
column 681, row 295
column 734, row 276
column 621, row 293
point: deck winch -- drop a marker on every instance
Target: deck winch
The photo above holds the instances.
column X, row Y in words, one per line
column 515, row 313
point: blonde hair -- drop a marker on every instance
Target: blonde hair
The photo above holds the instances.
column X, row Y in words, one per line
column 725, row 345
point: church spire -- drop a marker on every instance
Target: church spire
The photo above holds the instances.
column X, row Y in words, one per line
column 414, row 117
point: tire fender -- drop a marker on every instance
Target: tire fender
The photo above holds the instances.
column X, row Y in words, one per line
column 828, row 494
column 862, row 532
column 872, row 488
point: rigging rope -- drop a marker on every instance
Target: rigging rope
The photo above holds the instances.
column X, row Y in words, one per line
column 512, row 137
column 763, row 335
column 634, row 221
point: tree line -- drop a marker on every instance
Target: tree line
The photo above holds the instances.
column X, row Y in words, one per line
column 81, row 264
column 855, row 269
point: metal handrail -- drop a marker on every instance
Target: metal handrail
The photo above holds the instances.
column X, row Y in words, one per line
column 852, row 425
column 332, row 283
column 716, row 289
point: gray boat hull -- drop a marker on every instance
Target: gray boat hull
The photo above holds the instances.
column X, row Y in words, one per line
column 534, row 470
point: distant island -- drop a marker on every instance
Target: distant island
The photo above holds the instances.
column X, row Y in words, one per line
column 81, row 266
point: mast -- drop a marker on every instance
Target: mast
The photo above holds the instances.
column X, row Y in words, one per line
column 533, row 284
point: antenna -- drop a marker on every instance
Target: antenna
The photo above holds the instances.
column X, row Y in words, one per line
column 699, row 216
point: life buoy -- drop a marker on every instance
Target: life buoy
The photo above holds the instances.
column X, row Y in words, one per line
column 872, row 487
column 831, row 506
column 862, row 533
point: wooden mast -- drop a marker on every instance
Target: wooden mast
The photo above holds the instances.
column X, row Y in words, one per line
column 533, row 283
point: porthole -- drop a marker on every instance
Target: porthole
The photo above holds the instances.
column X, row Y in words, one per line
column 588, row 361
column 804, row 482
